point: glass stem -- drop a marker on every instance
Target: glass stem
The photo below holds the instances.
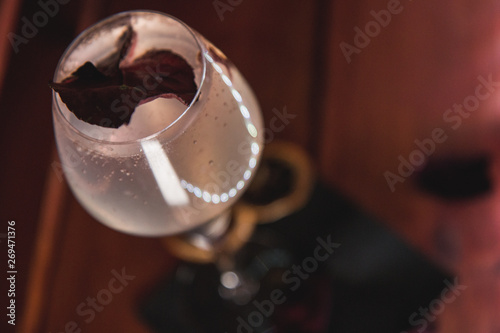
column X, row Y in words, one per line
column 209, row 234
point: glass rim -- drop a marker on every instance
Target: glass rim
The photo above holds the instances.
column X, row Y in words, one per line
column 81, row 36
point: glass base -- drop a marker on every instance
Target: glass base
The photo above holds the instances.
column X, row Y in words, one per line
column 372, row 282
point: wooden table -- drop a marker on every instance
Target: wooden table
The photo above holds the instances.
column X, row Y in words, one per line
column 356, row 112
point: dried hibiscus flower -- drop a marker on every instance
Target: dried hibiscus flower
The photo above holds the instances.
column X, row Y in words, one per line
column 106, row 94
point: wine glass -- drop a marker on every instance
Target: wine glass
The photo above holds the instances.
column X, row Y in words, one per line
column 174, row 167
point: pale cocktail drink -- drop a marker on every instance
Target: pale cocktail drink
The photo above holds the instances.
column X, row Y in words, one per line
column 173, row 166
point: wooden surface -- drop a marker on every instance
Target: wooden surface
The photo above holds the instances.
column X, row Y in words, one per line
column 68, row 255
column 354, row 118
column 397, row 89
